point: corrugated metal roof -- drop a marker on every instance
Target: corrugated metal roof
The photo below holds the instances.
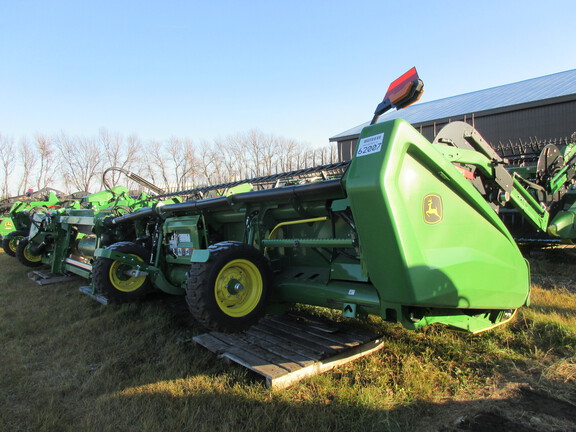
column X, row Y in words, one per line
column 546, row 87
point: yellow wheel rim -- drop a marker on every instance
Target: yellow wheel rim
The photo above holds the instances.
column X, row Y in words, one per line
column 13, row 244
column 123, row 282
column 238, row 288
column 30, row 256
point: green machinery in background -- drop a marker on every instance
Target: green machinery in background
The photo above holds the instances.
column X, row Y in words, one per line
column 65, row 237
column 62, row 238
column 543, row 193
column 19, row 219
column 15, row 221
column 545, row 167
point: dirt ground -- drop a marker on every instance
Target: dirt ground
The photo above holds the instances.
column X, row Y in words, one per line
column 517, row 408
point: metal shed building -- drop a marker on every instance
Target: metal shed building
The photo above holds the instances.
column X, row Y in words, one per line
column 538, row 108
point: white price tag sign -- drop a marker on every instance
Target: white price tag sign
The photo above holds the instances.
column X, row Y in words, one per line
column 370, row 145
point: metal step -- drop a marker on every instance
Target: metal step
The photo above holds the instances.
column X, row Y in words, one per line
column 87, row 290
column 42, row 278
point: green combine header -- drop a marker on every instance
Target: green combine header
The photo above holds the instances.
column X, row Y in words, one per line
column 404, row 234
column 408, row 231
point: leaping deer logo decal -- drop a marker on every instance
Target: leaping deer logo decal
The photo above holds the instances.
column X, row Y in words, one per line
column 432, row 209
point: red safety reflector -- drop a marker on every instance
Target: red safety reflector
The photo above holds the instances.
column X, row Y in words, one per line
column 401, row 86
column 468, row 175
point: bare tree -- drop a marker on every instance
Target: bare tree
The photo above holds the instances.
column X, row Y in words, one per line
column 232, row 157
column 120, row 153
column 48, row 163
column 176, row 164
column 254, row 153
column 7, row 159
column 28, row 159
column 180, row 153
column 211, row 164
column 249, row 154
column 269, row 152
column 288, row 149
column 147, row 170
column 81, row 161
column 252, row 143
column 159, row 163
column 193, row 166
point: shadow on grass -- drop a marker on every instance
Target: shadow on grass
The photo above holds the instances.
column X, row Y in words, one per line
column 522, row 409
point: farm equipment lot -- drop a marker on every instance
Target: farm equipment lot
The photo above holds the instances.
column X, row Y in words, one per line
column 70, row 364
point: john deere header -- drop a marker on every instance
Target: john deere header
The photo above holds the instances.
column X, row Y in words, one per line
column 409, row 232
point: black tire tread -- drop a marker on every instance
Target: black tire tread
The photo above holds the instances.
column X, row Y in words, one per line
column 199, row 302
column 6, row 241
column 20, row 249
column 101, row 280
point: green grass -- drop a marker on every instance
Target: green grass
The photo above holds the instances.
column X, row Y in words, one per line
column 70, row 364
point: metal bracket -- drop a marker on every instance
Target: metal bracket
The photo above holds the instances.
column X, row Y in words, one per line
column 136, row 273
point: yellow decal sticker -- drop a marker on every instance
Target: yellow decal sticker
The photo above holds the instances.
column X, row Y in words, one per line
column 9, row 225
column 432, row 209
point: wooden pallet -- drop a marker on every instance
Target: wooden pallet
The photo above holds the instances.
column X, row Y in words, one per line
column 287, row 349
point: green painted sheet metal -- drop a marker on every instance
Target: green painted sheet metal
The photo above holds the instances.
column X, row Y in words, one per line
column 428, row 238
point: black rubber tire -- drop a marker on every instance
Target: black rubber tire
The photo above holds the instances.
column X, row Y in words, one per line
column 201, row 283
column 10, row 241
column 24, row 255
column 104, row 285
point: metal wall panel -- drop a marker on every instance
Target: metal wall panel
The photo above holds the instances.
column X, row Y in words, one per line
column 542, row 122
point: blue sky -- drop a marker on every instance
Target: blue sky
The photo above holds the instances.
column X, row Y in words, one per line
column 299, row 69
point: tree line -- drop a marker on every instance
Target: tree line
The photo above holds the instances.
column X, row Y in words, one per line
column 76, row 163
